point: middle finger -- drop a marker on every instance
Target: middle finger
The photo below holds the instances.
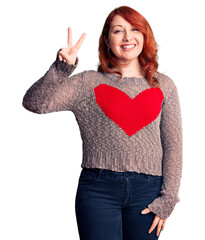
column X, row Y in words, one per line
column 69, row 37
column 154, row 224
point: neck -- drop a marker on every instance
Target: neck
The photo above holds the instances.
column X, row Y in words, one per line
column 133, row 69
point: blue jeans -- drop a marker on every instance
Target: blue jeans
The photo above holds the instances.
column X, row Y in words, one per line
column 108, row 204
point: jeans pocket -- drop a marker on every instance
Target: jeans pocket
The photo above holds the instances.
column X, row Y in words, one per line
column 156, row 180
column 86, row 177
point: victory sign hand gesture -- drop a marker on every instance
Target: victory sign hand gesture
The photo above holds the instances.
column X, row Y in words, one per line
column 69, row 53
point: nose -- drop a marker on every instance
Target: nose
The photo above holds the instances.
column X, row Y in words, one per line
column 127, row 36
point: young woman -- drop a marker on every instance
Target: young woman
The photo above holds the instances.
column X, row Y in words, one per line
column 130, row 123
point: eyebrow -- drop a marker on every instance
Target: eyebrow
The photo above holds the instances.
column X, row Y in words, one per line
column 118, row 26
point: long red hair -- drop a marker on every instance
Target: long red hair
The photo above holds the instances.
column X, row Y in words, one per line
column 147, row 58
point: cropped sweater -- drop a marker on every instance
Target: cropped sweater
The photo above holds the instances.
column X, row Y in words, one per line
column 125, row 125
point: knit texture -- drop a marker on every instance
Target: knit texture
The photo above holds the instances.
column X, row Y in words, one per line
column 125, row 125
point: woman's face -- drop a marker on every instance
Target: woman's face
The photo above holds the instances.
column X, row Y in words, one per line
column 125, row 40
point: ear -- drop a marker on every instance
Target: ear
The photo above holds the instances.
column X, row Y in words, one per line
column 106, row 41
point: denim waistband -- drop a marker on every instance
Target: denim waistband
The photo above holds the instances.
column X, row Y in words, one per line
column 100, row 170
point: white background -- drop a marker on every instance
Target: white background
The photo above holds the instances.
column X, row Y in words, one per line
column 41, row 154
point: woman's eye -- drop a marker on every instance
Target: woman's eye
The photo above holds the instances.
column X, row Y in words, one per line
column 117, row 31
column 135, row 29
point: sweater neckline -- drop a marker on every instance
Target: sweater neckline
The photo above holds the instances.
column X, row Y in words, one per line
column 114, row 77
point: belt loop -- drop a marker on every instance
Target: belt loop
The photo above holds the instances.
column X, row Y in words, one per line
column 100, row 172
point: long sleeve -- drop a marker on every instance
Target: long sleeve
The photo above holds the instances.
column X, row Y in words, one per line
column 172, row 144
column 55, row 91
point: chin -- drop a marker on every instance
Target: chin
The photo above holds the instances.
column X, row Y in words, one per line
column 135, row 58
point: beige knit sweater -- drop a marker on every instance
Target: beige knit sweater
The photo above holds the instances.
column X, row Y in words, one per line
column 125, row 125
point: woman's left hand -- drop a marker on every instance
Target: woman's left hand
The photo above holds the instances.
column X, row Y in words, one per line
column 157, row 221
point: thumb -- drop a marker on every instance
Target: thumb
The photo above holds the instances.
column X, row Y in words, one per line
column 145, row 211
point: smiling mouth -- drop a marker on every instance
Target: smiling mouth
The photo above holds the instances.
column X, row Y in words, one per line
column 128, row 46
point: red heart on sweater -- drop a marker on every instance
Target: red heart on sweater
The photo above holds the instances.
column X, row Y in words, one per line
column 129, row 114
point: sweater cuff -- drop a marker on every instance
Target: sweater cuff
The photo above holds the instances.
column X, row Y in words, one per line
column 65, row 67
column 163, row 206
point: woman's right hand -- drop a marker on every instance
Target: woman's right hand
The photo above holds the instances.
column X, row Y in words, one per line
column 69, row 54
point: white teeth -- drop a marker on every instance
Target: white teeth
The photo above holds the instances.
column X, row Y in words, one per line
column 128, row 46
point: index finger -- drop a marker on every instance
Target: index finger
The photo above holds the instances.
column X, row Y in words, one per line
column 80, row 41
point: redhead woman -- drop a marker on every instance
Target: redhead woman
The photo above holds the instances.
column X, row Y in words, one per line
column 130, row 122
